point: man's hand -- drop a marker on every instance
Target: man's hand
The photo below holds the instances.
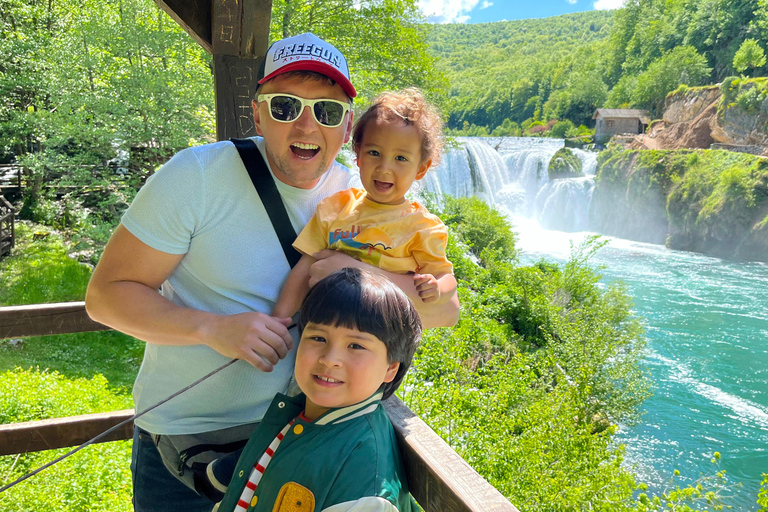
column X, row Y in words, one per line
column 260, row 339
column 328, row 262
column 428, row 288
column 443, row 311
column 123, row 294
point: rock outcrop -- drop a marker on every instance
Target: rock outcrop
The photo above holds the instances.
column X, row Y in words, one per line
column 564, row 164
column 698, row 117
column 712, row 202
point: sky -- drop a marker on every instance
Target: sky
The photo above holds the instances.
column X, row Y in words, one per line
column 485, row 11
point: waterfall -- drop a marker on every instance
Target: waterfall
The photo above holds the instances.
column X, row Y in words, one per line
column 563, row 205
column 511, row 172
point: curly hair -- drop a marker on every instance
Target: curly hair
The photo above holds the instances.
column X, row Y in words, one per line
column 410, row 106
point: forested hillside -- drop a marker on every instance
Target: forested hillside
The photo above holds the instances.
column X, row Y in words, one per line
column 509, row 69
column 567, row 66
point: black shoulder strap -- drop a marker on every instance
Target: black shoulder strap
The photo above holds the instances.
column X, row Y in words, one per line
column 270, row 197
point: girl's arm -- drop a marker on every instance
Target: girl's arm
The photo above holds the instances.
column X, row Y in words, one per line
column 432, row 315
column 295, row 289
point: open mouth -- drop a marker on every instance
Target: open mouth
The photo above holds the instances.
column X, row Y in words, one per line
column 305, row 151
column 382, row 186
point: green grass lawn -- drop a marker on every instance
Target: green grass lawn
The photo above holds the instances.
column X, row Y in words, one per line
column 41, row 272
column 62, row 375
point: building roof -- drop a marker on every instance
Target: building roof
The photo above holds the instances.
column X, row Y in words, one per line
column 614, row 113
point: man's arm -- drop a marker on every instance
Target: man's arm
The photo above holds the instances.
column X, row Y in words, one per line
column 123, row 294
column 432, row 315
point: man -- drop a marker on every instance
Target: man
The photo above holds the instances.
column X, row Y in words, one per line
column 199, row 232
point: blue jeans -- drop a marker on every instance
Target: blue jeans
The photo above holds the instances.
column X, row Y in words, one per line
column 154, row 488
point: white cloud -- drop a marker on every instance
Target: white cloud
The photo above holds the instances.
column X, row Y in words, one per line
column 604, row 5
column 447, row 11
column 571, row 1
column 486, row 4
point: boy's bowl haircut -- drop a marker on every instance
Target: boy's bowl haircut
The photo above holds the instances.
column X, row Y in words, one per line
column 371, row 303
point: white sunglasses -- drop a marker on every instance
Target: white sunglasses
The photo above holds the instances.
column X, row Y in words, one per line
column 286, row 108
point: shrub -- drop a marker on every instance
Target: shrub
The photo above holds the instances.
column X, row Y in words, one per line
column 562, row 129
column 541, row 365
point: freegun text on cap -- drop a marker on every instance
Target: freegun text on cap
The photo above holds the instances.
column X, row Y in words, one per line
column 313, row 50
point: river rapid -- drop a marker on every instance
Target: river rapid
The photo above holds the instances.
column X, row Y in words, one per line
column 706, row 319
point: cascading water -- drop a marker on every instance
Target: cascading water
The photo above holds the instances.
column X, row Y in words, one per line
column 564, row 204
column 511, row 172
column 706, row 319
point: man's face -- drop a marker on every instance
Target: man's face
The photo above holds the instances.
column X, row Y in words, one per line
column 300, row 152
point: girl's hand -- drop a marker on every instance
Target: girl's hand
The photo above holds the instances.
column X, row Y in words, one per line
column 427, row 287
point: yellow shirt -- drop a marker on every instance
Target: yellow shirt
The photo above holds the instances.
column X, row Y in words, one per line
column 398, row 238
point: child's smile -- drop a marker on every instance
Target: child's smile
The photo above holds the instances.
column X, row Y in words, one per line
column 389, row 158
column 338, row 366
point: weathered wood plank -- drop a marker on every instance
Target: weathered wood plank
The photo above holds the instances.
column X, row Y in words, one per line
column 240, row 39
column 235, row 86
column 35, row 436
column 439, row 479
column 194, row 16
column 44, row 319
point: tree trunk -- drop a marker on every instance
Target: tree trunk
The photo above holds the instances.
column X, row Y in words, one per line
column 287, row 16
column 88, row 60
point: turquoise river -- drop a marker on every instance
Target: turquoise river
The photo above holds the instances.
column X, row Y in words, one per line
column 706, row 319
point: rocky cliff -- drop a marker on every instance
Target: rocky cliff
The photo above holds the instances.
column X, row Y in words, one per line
column 734, row 114
column 713, row 201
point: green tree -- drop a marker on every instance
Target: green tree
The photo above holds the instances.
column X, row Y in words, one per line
column 383, row 40
column 683, row 65
column 578, row 100
column 749, row 56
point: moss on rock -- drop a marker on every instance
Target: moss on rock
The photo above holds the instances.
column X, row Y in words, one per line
column 564, row 164
column 713, row 202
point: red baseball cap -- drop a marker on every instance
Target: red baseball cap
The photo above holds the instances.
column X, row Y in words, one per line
column 306, row 52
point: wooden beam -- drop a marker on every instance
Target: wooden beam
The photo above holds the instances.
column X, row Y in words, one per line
column 44, row 319
column 240, row 38
column 439, row 479
column 194, row 16
column 35, row 436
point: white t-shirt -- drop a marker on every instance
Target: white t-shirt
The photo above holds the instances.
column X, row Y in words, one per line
column 202, row 204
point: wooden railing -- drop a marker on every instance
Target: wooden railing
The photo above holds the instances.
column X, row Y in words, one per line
column 439, row 479
column 7, row 227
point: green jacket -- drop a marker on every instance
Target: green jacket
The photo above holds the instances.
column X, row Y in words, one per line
column 347, row 459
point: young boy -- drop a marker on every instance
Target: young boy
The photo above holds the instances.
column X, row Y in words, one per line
column 396, row 141
column 331, row 448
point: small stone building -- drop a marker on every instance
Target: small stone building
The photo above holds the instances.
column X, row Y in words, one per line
column 614, row 121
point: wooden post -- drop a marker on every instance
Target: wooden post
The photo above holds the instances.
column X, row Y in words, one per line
column 239, row 40
column 7, row 227
column 236, row 32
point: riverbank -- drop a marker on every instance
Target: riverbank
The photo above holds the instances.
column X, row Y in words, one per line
column 709, row 201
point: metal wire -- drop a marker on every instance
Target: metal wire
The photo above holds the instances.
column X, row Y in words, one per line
column 107, row 432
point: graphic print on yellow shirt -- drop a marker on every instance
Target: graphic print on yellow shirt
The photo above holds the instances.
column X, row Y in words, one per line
column 397, row 238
